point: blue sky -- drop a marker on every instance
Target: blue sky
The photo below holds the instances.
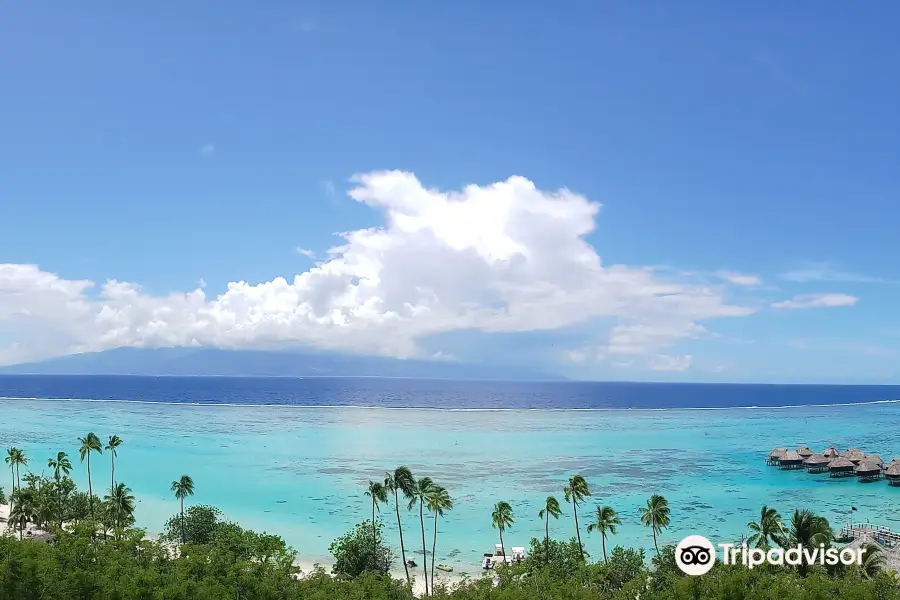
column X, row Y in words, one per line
column 162, row 145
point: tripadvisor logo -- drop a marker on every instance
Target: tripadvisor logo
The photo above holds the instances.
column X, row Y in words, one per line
column 696, row 555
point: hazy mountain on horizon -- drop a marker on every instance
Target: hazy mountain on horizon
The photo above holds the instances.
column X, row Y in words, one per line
column 262, row 363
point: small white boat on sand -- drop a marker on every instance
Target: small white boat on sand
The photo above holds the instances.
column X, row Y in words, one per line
column 498, row 558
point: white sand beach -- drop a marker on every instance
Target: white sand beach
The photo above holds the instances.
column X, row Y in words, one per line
column 5, row 525
column 307, row 567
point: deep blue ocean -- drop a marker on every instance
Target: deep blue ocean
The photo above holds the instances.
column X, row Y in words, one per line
column 420, row 393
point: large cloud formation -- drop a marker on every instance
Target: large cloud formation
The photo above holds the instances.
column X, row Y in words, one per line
column 502, row 257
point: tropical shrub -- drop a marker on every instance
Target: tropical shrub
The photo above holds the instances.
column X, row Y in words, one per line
column 355, row 552
column 200, row 525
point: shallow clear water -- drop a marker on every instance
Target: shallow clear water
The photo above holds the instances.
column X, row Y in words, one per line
column 301, row 472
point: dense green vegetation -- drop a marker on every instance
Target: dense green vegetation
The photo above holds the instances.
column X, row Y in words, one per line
column 97, row 554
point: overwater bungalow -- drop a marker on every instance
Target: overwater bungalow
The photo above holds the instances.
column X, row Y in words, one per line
column 854, row 455
column 790, row 460
column 804, row 452
column 840, row 467
column 867, row 471
column 875, row 459
column 831, row 453
column 816, row 463
column 892, row 473
column 774, row 457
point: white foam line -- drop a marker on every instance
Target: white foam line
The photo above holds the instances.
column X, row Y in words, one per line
column 433, row 408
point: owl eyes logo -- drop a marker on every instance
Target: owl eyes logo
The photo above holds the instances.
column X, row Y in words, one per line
column 695, row 555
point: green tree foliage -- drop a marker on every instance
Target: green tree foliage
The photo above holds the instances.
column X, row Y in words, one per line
column 558, row 558
column 201, row 522
column 237, row 563
column 354, row 555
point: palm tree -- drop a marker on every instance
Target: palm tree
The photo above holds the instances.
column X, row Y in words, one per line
column 90, row 443
column 61, row 466
column 873, row 560
column 438, row 501
column 182, row 488
column 10, row 459
column 114, row 442
column 121, row 505
column 378, row 493
column 20, row 513
column 551, row 509
column 16, row 458
column 419, row 494
column 401, row 481
column 576, row 492
column 605, row 519
column 656, row 516
column 501, row 520
column 769, row 529
column 808, row 530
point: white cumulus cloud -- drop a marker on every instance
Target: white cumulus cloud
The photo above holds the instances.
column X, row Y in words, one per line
column 816, row 301
column 501, row 257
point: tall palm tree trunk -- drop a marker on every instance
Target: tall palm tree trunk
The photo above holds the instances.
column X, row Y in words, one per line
column 603, row 539
column 90, row 489
column 374, row 534
column 182, row 521
column 654, row 541
column 113, row 478
column 547, row 534
column 18, row 481
column 433, row 548
column 400, row 529
column 502, row 547
column 424, row 548
column 577, row 529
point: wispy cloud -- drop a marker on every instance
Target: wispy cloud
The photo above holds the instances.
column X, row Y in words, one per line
column 803, row 301
column 307, row 253
column 842, row 346
column 208, row 150
column 739, row 278
column 328, row 187
column 666, row 362
column 815, row 272
column 576, row 356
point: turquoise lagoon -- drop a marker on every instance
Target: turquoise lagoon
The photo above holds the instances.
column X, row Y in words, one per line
column 301, row 472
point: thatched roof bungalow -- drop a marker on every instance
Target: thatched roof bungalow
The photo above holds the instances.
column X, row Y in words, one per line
column 816, row 463
column 892, row 473
column 874, row 459
column 840, row 467
column 775, row 455
column 831, row 452
column 854, row 455
column 804, row 452
column 790, row 460
column 867, row 471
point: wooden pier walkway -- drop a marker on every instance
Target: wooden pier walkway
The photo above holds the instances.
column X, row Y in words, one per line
column 876, row 532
